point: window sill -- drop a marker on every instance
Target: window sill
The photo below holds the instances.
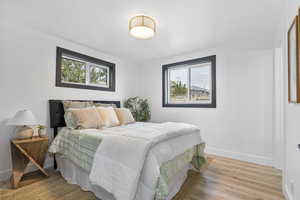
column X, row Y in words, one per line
column 190, row 105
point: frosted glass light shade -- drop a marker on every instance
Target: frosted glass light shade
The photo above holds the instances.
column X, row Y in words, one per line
column 142, row 27
column 23, row 118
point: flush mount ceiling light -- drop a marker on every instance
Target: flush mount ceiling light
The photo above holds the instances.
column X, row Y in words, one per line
column 142, row 27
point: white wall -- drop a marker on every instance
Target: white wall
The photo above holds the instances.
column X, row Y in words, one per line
column 278, row 117
column 241, row 125
column 27, row 79
column 292, row 118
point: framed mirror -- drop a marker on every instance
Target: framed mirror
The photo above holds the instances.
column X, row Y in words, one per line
column 293, row 62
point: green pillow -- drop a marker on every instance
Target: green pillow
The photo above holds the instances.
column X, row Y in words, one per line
column 105, row 105
column 76, row 104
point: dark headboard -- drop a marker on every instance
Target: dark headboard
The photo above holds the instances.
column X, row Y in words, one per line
column 57, row 111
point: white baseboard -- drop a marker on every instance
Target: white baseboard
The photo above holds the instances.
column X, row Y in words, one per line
column 240, row 156
column 287, row 193
column 5, row 174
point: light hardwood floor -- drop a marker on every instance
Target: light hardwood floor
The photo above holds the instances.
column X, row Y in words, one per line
column 221, row 179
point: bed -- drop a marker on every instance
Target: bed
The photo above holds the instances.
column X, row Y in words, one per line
column 158, row 177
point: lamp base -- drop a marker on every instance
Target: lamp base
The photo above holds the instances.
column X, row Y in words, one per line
column 24, row 132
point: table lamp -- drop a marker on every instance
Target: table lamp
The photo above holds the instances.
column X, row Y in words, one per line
column 23, row 119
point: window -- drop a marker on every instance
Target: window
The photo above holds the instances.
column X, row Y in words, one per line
column 190, row 83
column 81, row 71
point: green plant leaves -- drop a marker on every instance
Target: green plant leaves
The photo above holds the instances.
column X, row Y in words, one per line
column 139, row 108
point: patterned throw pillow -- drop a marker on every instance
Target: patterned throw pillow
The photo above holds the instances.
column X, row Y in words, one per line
column 76, row 104
column 108, row 116
column 124, row 116
column 73, row 104
column 104, row 105
column 70, row 122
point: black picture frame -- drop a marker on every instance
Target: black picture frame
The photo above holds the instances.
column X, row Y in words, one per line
column 112, row 74
column 213, row 103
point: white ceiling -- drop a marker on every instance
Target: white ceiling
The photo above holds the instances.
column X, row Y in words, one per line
column 182, row 25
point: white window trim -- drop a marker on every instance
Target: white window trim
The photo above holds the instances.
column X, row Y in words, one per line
column 100, row 66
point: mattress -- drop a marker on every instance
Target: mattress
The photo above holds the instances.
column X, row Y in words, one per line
column 79, row 147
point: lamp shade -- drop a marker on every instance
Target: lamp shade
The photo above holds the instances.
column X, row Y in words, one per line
column 142, row 27
column 22, row 118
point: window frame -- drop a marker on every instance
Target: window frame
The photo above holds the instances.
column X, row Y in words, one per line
column 165, row 84
column 90, row 61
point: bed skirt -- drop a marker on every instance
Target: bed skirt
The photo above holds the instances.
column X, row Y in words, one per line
column 76, row 175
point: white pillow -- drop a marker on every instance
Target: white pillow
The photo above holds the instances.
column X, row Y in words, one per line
column 108, row 116
column 124, row 116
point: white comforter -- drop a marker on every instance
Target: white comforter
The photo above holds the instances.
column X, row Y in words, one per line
column 125, row 152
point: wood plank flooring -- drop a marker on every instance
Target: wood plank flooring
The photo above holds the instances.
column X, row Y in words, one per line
column 221, row 179
column 224, row 178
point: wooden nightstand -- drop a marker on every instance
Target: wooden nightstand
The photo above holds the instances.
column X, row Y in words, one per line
column 26, row 150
